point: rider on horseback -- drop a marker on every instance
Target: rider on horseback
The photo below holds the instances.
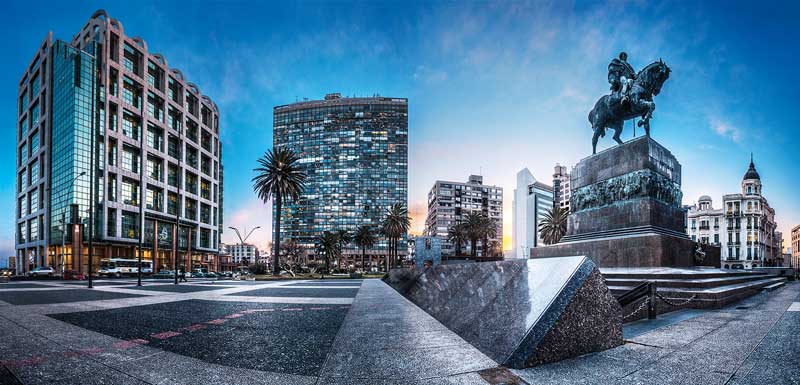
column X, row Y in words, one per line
column 621, row 75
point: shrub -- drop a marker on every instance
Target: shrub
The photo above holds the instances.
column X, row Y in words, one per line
column 258, row 268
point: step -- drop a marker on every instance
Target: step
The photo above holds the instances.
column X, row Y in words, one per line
column 775, row 286
column 687, row 283
column 659, row 273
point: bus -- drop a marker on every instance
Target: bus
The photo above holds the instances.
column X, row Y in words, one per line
column 117, row 267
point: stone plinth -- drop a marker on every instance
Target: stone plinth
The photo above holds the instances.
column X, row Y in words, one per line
column 520, row 313
column 626, row 210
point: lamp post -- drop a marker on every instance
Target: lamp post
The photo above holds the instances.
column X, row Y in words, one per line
column 238, row 234
column 64, row 223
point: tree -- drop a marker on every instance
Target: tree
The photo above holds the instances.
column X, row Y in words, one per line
column 294, row 256
column 344, row 239
column 329, row 246
column 478, row 226
column 395, row 224
column 554, row 225
column 279, row 177
column 457, row 234
column 364, row 238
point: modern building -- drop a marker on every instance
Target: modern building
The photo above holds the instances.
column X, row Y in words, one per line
column 450, row 202
column 355, row 153
column 561, row 190
column 243, row 253
column 103, row 119
column 532, row 201
column 744, row 227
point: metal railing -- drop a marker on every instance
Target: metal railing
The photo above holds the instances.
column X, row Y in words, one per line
column 646, row 289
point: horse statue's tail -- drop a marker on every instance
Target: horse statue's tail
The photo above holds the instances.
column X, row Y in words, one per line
column 591, row 117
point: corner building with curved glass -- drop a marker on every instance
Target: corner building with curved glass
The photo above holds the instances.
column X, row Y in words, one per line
column 355, row 153
column 107, row 130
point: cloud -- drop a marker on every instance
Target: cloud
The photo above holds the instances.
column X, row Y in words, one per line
column 725, row 129
column 428, row 75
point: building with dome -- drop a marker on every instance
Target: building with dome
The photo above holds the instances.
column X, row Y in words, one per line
column 743, row 227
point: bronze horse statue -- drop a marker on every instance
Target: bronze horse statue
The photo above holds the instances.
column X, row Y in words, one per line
column 611, row 111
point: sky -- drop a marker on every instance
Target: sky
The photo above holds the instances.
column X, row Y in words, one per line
column 493, row 87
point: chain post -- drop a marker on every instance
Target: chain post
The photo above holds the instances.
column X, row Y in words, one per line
column 651, row 306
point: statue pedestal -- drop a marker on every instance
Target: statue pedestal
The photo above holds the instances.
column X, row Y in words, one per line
column 626, row 209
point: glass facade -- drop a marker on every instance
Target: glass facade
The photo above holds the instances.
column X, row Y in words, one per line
column 355, row 153
column 73, row 81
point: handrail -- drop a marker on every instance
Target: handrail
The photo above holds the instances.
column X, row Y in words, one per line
column 644, row 289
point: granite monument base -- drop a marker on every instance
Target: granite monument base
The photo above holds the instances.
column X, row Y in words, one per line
column 639, row 250
column 520, row 313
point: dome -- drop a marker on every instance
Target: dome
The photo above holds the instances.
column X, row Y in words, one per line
column 751, row 171
column 704, row 198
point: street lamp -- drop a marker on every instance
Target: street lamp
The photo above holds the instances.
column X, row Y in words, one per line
column 64, row 222
column 238, row 234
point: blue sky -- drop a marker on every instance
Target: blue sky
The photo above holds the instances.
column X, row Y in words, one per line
column 493, row 86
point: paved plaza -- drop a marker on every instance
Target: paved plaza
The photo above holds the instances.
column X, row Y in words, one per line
column 350, row 332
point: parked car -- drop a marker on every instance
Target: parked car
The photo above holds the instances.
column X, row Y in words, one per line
column 164, row 274
column 211, row 274
column 8, row 273
column 198, row 274
column 226, row 274
column 42, row 272
column 74, row 275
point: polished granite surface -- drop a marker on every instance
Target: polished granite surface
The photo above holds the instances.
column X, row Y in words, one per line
column 507, row 308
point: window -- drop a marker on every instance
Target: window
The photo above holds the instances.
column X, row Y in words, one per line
column 205, row 189
column 155, row 168
column 33, row 200
column 205, row 213
column 112, row 152
column 205, row 165
column 132, row 59
column 191, row 130
column 155, row 107
column 112, row 116
column 34, row 116
column 155, row 76
column 154, row 198
column 172, row 203
column 206, row 140
column 33, row 229
column 112, row 187
column 174, row 91
column 174, row 147
column 131, row 126
column 34, row 143
column 172, row 175
column 191, row 183
column 23, row 127
column 34, row 85
column 23, row 102
column 111, row 223
column 130, row 224
column 33, row 173
column 23, row 154
column 191, row 209
column 716, row 238
column 113, row 79
column 174, row 120
column 191, row 156
column 191, row 103
column 130, row 159
column 130, row 192
column 155, row 137
column 205, row 235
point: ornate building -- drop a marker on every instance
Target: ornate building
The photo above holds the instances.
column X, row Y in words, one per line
column 744, row 227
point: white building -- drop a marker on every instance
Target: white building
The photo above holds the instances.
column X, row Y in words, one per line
column 532, row 200
column 744, row 227
column 561, row 189
column 243, row 253
column 450, row 202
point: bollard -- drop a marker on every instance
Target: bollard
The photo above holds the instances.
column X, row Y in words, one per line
column 651, row 306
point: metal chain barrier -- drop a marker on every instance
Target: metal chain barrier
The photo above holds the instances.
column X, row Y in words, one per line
column 638, row 309
column 676, row 304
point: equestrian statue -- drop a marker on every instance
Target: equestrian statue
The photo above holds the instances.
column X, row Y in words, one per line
column 631, row 97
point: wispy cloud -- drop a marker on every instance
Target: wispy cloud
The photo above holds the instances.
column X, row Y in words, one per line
column 725, row 129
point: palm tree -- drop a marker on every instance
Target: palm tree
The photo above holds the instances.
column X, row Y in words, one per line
column 554, row 225
column 488, row 229
column 328, row 245
column 457, row 234
column 473, row 222
column 279, row 177
column 344, row 239
column 364, row 238
column 395, row 224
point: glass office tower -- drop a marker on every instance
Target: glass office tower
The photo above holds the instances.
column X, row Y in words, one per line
column 355, row 152
column 107, row 130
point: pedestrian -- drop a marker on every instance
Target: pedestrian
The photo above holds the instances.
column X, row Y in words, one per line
column 183, row 276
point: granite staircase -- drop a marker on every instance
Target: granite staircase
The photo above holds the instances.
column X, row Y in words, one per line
column 690, row 288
